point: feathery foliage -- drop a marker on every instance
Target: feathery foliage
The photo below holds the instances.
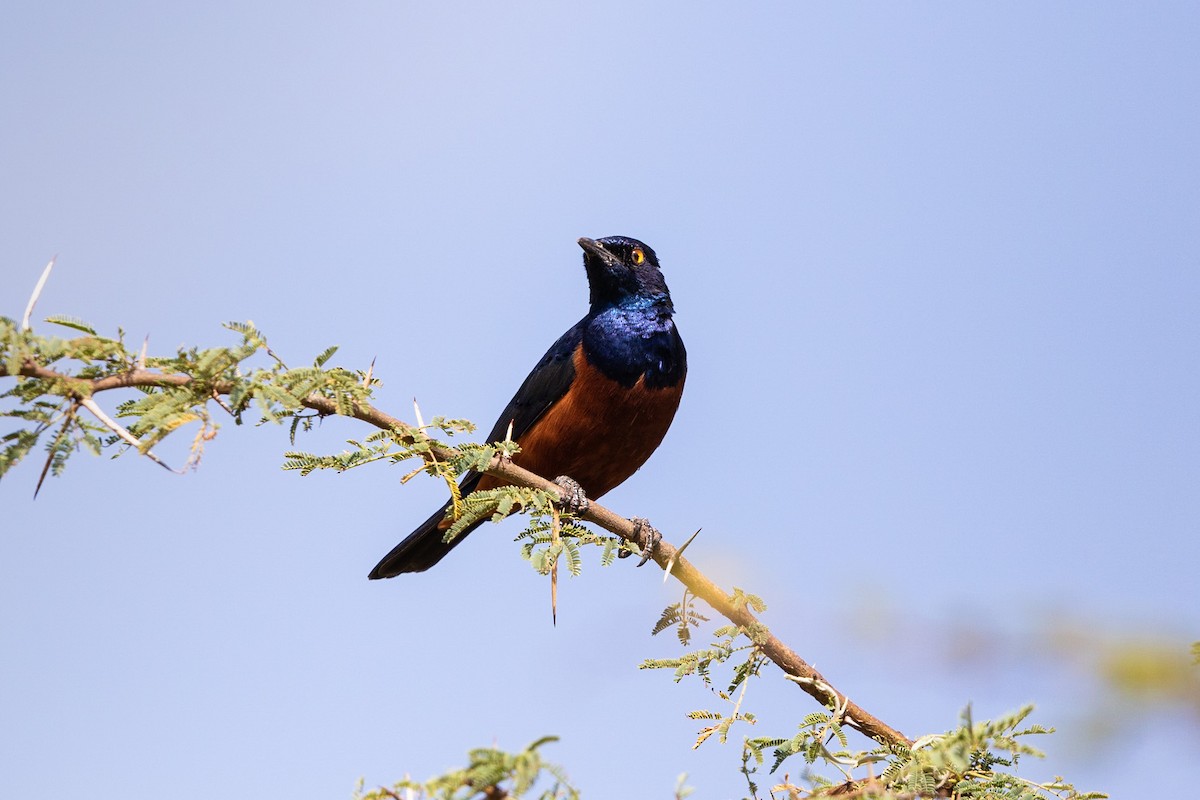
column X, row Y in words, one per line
column 490, row 773
column 682, row 616
column 52, row 404
column 976, row 760
column 541, row 550
column 56, row 376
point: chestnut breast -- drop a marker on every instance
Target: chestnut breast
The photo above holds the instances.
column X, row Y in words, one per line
column 599, row 432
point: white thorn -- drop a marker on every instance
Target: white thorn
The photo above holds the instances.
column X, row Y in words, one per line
column 417, row 411
column 37, row 291
column 678, row 553
column 125, row 435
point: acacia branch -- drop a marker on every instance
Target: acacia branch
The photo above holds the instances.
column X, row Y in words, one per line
column 799, row 670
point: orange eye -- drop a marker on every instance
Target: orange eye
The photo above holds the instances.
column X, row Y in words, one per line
column 638, row 256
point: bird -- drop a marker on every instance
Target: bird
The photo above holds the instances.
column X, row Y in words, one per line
column 596, row 405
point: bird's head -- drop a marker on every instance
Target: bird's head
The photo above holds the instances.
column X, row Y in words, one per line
column 619, row 268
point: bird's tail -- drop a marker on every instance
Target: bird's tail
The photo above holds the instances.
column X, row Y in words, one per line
column 424, row 547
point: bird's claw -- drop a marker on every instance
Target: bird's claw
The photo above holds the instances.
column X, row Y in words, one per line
column 571, row 496
column 647, row 538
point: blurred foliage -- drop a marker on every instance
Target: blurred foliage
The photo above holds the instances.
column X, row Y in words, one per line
column 1122, row 678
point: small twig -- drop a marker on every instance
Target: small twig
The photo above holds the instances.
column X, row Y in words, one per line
column 116, row 428
column 684, row 613
column 217, row 399
column 70, row 416
column 271, row 353
column 737, row 707
column 555, row 540
column 37, row 291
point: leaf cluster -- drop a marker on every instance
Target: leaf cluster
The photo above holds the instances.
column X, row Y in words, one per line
column 682, row 616
column 976, row 760
column 56, row 376
column 490, row 773
column 42, row 406
column 543, row 547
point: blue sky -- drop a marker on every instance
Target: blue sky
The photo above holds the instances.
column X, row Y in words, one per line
column 936, row 267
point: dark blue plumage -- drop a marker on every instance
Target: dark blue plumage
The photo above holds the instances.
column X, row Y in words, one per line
column 598, row 402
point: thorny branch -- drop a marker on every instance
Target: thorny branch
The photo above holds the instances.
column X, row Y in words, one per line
column 800, row 671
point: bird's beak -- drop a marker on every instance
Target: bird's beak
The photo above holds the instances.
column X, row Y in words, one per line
column 593, row 247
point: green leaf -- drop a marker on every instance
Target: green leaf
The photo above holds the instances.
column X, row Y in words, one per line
column 325, row 356
column 72, row 322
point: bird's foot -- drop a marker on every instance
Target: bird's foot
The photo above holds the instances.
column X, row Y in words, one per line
column 647, row 538
column 572, row 498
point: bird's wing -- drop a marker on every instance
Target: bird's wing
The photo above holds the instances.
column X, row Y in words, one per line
column 548, row 382
column 544, row 386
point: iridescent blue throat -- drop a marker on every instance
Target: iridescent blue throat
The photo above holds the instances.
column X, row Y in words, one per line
column 635, row 337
